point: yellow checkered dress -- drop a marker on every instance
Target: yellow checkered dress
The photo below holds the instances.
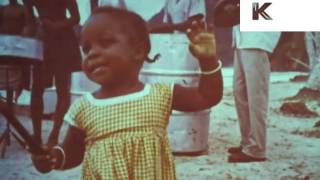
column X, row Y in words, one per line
column 126, row 136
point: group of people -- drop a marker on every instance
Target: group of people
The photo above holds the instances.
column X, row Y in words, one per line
column 61, row 54
column 119, row 130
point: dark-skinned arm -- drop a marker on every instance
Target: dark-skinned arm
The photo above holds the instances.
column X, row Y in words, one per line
column 30, row 28
column 74, row 16
column 210, row 89
column 74, row 19
column 68, row 155
column 74, row 147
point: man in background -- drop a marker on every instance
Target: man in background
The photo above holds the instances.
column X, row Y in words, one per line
column 251, row 92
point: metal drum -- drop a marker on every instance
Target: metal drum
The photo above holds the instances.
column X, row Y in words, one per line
column 13, row 51
column 188, row 132
column 10, row 77
column 19, row 46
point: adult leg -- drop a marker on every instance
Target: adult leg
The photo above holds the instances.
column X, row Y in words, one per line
column 37, row 91
column 241, row 97
column 63, row 83
column 257, row 71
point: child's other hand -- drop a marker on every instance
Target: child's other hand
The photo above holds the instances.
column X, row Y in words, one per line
column 202, row 43
column 48, row 161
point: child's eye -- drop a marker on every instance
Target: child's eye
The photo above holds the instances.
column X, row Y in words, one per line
column 106, row 42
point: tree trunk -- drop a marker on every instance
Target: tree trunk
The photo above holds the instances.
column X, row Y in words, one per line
column 312, row 40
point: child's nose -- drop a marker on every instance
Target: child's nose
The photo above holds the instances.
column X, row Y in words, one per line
column 94, row 52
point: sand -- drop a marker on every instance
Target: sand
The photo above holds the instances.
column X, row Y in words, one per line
column 293, row 146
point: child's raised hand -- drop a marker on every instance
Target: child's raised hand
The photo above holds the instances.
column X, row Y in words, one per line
column 202, row 43
column 46, row 162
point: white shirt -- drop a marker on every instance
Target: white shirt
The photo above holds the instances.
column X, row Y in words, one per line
column 145, row 8
column 254, row 40
column 177, row 11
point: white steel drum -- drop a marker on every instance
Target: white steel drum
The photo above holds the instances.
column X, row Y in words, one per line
column 188, row 132
column 10, row 77
column 21, row 49
column 19, row 46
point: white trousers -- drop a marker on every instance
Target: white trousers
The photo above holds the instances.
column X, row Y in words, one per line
column 312, row 40
column 251, row 92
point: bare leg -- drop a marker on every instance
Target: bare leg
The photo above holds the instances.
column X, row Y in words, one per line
column 37, row 102
column 63, row 81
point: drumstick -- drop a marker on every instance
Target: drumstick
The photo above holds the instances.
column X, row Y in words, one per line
column 183, row 26
column 32, row 146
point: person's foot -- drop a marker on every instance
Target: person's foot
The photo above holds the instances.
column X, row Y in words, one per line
column 243, row 158
column 233, row 150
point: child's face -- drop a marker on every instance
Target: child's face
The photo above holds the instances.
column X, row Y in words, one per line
column 109, row 57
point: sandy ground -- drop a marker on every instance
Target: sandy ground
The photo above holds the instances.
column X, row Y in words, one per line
column 293, row 146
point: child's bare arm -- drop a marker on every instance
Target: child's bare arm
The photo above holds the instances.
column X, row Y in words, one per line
column 30, row 28
column 210, row 89
column 74, row 147
column 68, row 155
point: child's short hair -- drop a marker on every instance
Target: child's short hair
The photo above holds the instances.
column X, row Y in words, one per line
column 134, row 25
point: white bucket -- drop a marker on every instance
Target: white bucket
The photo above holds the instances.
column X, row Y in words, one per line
column 188, row 132
column 80, row 84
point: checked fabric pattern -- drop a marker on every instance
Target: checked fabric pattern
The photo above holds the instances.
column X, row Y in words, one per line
column 126, row 136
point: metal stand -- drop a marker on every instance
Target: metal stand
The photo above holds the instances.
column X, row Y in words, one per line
column 29, row 51
column 5, row 137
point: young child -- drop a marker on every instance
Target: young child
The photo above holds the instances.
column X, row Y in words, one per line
column 119, row 131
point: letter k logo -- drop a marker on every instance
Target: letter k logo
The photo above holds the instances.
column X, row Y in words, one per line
column 256, row 10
